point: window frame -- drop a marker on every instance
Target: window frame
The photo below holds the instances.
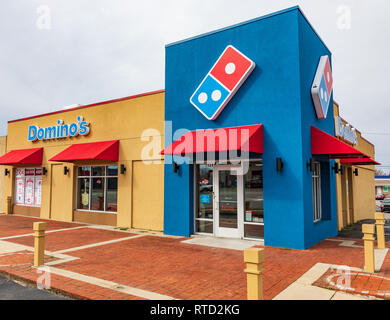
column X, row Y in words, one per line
column 196, row 195
column 90, row 177
column 196, row 204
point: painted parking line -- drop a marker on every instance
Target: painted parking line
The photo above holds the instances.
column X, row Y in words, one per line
column 50, row 231
column 98, row 244
column 111, row 285
column 10, row 248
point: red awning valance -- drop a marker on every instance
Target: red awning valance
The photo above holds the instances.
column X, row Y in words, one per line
column 105, row 150
column 323, row 143
column 23, row 156
column 245, row 138
column 360, row 162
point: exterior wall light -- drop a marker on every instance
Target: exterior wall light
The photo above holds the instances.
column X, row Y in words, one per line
column 6, row 172
column 66, row 170
column 279, row 164
column 336, row 168
column 44, row 171
column 175, row 167
column 123, row 169
column 356, row 172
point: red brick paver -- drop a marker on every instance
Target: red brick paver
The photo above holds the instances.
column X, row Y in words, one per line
column 65, row 286
column 185, row 271
column 167, row 266
column 16, row 225
column 362, row 283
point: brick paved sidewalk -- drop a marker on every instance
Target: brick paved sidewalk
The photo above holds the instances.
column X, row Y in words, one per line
column 363, row 283
column 110, row 264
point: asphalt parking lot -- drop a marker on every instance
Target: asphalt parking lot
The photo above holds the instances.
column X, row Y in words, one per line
column 10, row 290
column 355, row 231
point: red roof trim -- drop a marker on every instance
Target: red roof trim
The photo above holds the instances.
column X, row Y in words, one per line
column 90, row 105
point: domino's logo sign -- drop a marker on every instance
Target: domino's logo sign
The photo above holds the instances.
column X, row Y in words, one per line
column 322, row 88
column 222, row 82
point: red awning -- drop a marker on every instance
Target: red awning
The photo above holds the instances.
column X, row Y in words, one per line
column 246, row 138
column 360, row 162
column 323, row 143
column 105, row 150
column 23, row 156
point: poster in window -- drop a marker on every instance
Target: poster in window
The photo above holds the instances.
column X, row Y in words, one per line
column 38, row 191
column 19, row 199
column 248, row 216
column 29, row 172
column 19, row 172
column 205, row 198
column 29, row 192
column 85, row 195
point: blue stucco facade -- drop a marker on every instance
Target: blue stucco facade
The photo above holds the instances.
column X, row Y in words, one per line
column 286, row 51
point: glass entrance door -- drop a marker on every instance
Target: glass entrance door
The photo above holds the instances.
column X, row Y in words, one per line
column 228, row 202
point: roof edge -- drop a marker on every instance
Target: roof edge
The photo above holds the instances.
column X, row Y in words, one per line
column 233, row 26
column 90, row 105
column 314, row 30
column 270, row 15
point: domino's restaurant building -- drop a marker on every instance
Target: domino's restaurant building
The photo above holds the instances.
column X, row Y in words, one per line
column 252, row 151
column 253, row 146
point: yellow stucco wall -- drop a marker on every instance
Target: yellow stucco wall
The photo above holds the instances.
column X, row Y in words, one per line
column 361, row 186
column 3, row 147
column 145, row 215
column 123, row 120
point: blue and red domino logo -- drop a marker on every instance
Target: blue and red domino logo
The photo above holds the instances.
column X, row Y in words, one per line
column 222, row 82
column 322, row 87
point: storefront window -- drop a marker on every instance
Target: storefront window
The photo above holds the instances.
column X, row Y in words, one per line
column 28, row 187
column 97, row 188
column 204, row 191
column 98, row 171
column 253, row 200
column 111, row 195
column 97, row 196
column 83, row 193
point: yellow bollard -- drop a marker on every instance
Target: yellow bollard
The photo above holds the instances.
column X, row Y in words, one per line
column 254, row 258
column 9, row 205
column 380, row 230
column 369, row 258
column 39, row 243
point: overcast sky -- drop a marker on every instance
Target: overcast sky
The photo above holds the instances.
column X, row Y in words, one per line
column 96, row 50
